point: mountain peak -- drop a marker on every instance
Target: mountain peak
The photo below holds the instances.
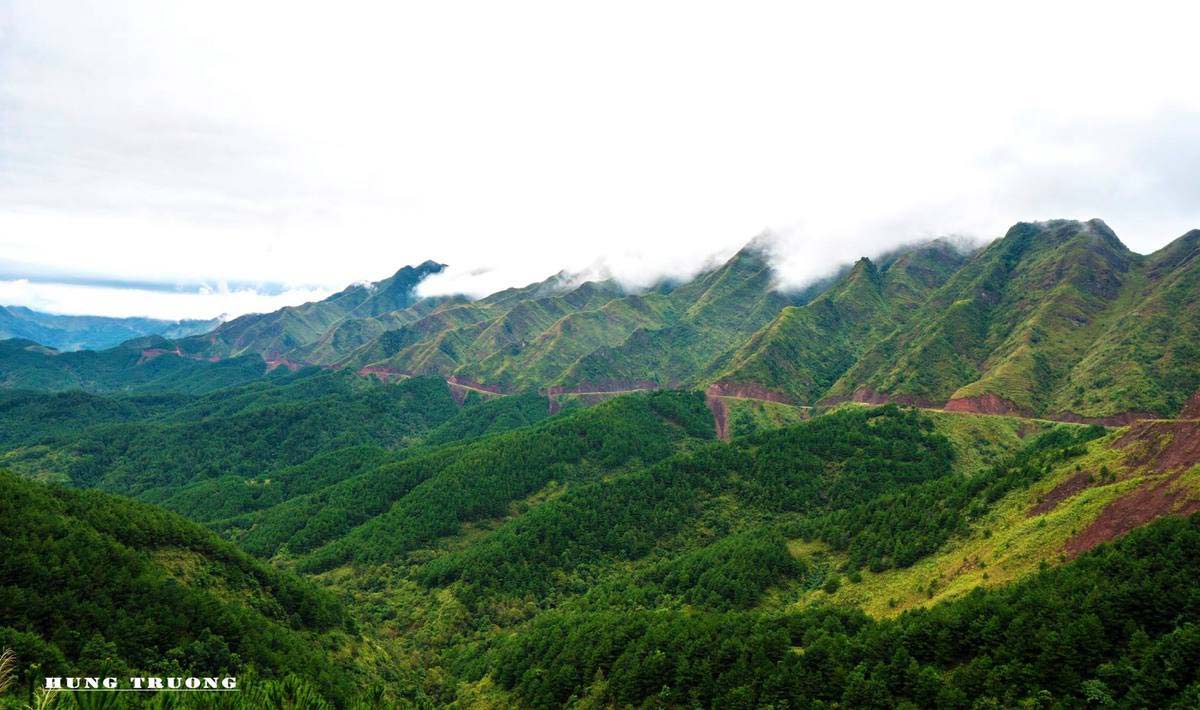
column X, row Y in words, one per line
column 429, row 265
column 1026, row 237
column 864, row 268
column 425, row 268
column 1098, row 225
column 755, row 253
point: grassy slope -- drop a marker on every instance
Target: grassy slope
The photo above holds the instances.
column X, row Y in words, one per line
column 805, row 349
column 1148, row 359
column 1010, row 541
column 705, row 317
column 980, row 441
column 1055, row 318
column 751, row 416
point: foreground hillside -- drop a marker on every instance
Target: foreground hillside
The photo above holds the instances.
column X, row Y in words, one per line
column 728, row 574
column 99, row 585
column 1105, row 630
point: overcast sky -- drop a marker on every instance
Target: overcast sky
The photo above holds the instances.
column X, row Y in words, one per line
column 188, row 159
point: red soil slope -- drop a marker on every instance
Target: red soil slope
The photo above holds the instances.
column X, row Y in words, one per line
column 1067, row 489
column 1170, row 447
column 720, row 412
column 984, row 404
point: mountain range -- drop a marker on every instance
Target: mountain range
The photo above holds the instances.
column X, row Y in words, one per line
column 1056, row 319
column 937, row 478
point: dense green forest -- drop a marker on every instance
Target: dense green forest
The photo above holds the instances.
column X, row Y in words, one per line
column 479, row 417
column 486, row 554
column 1116, row 627
column 246, row 432
column 429, row 495
column 101, row 585
column 827, row 463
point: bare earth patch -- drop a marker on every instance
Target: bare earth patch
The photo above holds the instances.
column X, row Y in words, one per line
column 1170, row 447
column 984, row 404
column 1067, row 489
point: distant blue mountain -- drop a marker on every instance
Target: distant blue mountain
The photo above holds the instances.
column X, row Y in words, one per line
column 90, row 332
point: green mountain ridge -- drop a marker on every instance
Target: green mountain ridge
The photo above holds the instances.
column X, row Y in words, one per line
column 1019, row 327
column 805, row 349
column 273, row 335
column 151, row 364
column 1026, row 325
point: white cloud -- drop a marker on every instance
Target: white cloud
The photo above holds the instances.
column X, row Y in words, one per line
column 314, row 145
column 51, row 297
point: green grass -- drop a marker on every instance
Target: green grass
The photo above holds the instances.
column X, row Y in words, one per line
column 1003, row 546
column 750, row 416
column 981, row 440
column 1055, row 318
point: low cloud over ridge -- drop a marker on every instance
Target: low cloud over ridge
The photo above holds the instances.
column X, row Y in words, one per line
column 176, row 144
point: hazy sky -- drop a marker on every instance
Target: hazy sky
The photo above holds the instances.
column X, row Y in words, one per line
column 188, row 159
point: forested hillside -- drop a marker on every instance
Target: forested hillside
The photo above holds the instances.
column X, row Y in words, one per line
column 386, row 512
column 468, row 560
column 222, row 441
column 1103, row 630
column 94, row 584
